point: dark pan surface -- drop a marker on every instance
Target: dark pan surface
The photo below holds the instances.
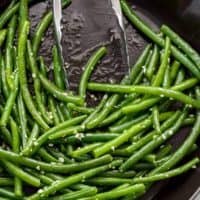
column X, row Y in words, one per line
column 88, row 24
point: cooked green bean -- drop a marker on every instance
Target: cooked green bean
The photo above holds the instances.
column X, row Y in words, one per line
column 36, row 83
column 2, row 36
column 130, row 14
column 79, row 109
column 153, row 62
column 22, row 76
column 6, row 182
column 43, row 138
column 167, row 174
column 182, row 44
column 124, row 137
column 158, row 91
column 148, row 148
column 174, row 70
column 10, row 102
column 13, row 169
column 16, row 149
column 71, row 180
column 113, row 194
column 156, row 122
column 167, row 78
column 95, row 58
column 58, row 93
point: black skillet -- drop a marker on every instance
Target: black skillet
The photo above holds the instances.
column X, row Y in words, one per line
column 89, row 23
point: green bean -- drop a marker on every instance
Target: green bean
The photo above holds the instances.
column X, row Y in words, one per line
column 122, row 138
column 183, row 45
column 2, row 36
column 156, row 122
column 5, row 88
column 70, row 181
column 95, row 58
column 135, row 20
column 153, row 62
column 118, row 174
column 60, row 114
column 55, row 168
column 53, row 111
column 13, row 169
column 58, row 93
column 133, row 189
column 91, row 137
column 180, row 77
column 10, row 102
column 6, row 135
column 161, row 176
column 22, row 77
column 174, row 70
column 22, row 119
column 81, row 151
column 37, row 85
column 16, row 149
column 57, row 69
column 8, row 194
column 161, row 71
column 79, row 109
column 128, row 124
column 167, row 79
column 8, row 13
column 158, row 91
column 143, row 166
column 164, row 151
column 43, row 138
column 9, row 49
column 108, row 181
column 6, row 182
column 90, row 191
column 42, row 27
column 148, row 148
column 182, row 150
column 43, row 153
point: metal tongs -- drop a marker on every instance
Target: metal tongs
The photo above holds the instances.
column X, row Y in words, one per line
column 57, row 18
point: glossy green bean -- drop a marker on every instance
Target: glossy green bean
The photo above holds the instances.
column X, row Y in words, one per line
column 148, row 148
column 174, row 70
column 46, row 156
column 182, row 44
column 164, row 63
column 44, row 137
column 113, row 194
column 158, row 91
column 22, row 76
column 22, row 119
column 92, row 62
column 108, row 181
column 6, row 182
column 164, row 151
column 71, row 180
column 51, row 167
column 13, row 169
column 85, row 192
column 167, row 78
column 79, row 109
column 36, row 83
column 168, row 174
column 135, row 20
column 182, row 150
column 4, row 84
column 10, row 102
column 156, row 122
column 128, row 124
column 8, row 194
column 124, row 137
column 84, row 150
column 16, row 149
column 153, row 62
column 58, row 93
column 180, row 77
column 2, row 36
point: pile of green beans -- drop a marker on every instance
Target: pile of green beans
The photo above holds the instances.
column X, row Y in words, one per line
column 54, row 146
